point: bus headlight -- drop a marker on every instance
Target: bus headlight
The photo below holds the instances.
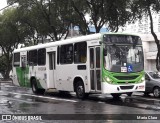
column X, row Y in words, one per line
column 107, row 79
column 143, row 78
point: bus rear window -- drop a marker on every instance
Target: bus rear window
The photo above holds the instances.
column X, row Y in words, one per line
column 16, row 61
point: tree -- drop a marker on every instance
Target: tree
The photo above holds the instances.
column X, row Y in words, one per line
column 12, row 32
column 46, row 17
column 112, row 13
column 3, row 65
column 53, row 17
column 146, row 7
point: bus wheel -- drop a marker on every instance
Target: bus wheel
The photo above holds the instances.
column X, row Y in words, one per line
column 116, row 95
column 80, row 91
column 34, row 86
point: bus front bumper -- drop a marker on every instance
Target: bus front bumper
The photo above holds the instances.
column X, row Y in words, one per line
column 122, row 88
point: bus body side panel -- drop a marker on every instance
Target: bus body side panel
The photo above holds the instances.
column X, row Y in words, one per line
column 39, row 73
column 66, row 75
column 20, row 73
column 22, row 77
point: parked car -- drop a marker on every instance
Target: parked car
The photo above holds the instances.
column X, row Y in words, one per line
column 152, row 83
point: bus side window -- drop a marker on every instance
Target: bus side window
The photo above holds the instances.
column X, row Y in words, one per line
column 58, row 49
column 42, row 56
column 33, row 57
column 66, row 54
column 80, row 52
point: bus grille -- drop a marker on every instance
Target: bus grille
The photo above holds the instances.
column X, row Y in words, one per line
column 127, row 87
column 125, row 77
column 125, row 82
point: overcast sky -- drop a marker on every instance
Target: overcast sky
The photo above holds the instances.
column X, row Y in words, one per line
column 3, row 3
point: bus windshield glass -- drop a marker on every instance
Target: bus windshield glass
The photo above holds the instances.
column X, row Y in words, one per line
column 123, row 57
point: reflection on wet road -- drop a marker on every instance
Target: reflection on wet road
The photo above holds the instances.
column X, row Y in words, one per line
column 17, row 100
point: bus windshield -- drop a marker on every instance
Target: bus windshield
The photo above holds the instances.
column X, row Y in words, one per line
column 117, row 58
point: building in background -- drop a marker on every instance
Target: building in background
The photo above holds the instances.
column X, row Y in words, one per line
column 150, row 51
column 143, row 26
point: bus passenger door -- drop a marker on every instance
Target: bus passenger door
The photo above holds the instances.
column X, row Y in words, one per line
column 52, row 68
column 95, row 68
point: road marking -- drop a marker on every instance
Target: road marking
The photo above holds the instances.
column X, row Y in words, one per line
column 100, row 102
column 53, row 98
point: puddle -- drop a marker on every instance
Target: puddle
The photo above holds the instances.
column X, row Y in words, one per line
column 3, row 94
column 5, row 102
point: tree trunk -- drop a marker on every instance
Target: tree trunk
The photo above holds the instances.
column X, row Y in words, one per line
column 156, row 40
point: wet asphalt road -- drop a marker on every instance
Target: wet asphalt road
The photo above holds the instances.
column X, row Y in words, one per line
column 18, row 100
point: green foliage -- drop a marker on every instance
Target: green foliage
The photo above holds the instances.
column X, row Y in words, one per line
column 53, row 17
column 44, row 17
column 12, row 33
column 111, row 13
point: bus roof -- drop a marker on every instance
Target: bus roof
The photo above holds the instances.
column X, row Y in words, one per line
column 68, row 41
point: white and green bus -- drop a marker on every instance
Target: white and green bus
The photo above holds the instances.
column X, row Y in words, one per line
column 98, row 63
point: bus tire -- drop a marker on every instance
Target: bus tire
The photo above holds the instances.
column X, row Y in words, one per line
column 115, row 95
column 34, row 86
column 129, row 94
column 80, row 90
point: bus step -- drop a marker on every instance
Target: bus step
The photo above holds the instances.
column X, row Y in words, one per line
column 51, row 90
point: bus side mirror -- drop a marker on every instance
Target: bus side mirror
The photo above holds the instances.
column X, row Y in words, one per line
column 105, row 52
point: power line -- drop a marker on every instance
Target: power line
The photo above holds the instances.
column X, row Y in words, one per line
column 7, row 6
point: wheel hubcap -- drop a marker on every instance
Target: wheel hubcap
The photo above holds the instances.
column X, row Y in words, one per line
column 33, row 87
column 80, row 90
column 156, row 92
